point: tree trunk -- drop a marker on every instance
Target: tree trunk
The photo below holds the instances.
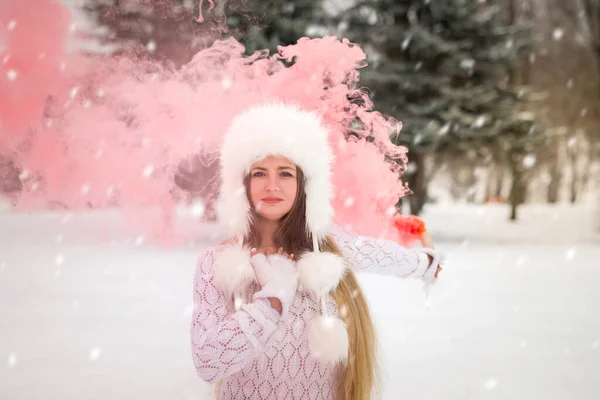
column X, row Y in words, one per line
column 554, row 185
column 418, row 184
column 518, row 188
column 499, row 181
column 574, row 181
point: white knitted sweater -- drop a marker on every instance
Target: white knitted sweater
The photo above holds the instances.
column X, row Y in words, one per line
column 258, row 355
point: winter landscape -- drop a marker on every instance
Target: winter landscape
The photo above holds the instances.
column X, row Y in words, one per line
column 93, row 310
column 110, row 110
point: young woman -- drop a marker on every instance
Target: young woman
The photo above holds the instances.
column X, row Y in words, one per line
column 278, row 312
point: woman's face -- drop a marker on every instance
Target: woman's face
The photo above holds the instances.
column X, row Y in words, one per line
column 273, row 187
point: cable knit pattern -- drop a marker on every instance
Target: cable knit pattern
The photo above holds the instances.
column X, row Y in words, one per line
column 257, row 354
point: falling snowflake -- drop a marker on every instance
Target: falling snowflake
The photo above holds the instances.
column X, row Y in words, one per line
column 12, row 24
column 558, row 34
column 479, row 122
column 226, row 83
column 85, row 189
column 529, row 160
column 491, row 384
column 467, row 63
column 24, row 175
column 74, row 92
column 570, row 83
column 187, row 312
column 12, row 360
column 521, row 260
column 198, row 208
column 59, row 260
column 59, row 238
column 406, row 43
column 349, row 201
column 148, row 171
column 151, row 46
column 57, row 273
column 11, row 74
column 570, row 254
column 445, row 129
column 596, row 344
column 95, row 353
column 139, row 240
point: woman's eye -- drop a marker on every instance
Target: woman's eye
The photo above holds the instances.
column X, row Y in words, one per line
column 258, row 174
column 287, row 174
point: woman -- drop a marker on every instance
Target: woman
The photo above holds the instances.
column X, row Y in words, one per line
column 278, row 311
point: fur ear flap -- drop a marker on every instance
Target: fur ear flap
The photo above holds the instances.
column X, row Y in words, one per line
column 320, row 273
column 233, row 271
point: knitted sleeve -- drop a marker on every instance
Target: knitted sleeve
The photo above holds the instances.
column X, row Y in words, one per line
column 380, row 256
column 224, row 341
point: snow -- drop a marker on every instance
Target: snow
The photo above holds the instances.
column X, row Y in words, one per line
column 514, row 315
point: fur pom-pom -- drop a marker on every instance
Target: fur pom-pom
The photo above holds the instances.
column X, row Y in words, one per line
column 233, row 271
column 328, row 339
column 320, row 273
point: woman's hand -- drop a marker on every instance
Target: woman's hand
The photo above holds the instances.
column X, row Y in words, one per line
column 427, row 241
column 276, row 273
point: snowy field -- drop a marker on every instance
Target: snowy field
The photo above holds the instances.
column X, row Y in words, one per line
column 93, row 310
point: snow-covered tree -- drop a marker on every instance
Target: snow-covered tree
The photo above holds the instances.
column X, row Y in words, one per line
column 441, row 67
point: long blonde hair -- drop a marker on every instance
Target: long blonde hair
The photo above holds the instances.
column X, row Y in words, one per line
column 358, row 379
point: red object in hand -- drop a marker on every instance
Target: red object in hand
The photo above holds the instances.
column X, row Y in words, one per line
column 409, row 227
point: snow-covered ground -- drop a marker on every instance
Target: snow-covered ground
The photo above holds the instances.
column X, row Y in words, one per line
column 91, row 309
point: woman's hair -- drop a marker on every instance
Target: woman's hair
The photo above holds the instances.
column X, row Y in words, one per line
column 358, row 378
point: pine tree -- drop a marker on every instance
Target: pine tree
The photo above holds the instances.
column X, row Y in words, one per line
column 440, row 67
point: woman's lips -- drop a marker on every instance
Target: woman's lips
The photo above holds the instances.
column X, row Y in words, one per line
column 271, row 200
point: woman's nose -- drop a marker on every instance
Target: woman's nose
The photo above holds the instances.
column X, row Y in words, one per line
column 272, row 185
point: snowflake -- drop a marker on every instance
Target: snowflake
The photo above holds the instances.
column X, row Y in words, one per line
column 349, row 201
column 558, row 34
column 570, row 254
column 95, row 353
column 226, row 83
column 479, row 122
column 148, row 171
column 467, row 63
column 12, row 360
column 151, row 46
column 198, row 208
column 529, row 161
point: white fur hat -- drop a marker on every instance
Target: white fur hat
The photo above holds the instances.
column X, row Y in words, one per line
column 299, row 135
column 282, row 130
